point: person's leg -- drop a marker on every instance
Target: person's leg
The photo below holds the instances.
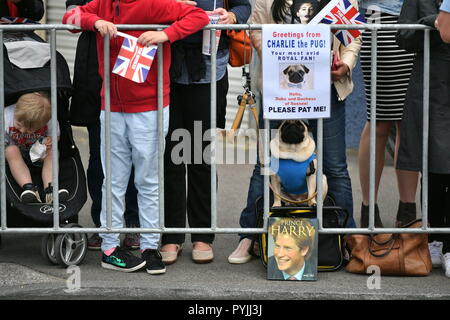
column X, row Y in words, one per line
column 142, row 129
column 94, row 172
column 175, row 173
column 121, row 160
column 47, row 169
column 248, row 217
column 131, row 205
column 438, row 217
column 17, row 166
column 383, row 129
column 335, row 158
column 21, row 173
column 131, row 215
column 407, row 187
column 198, row 121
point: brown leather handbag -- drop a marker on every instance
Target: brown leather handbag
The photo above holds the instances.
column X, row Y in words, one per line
column 404, row 254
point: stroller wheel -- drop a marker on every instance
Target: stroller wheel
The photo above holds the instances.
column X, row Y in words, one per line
column 70, row 248
column 48, row 248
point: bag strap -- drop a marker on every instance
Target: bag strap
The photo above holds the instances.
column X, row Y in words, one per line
column 372, row 239
column 290, row 200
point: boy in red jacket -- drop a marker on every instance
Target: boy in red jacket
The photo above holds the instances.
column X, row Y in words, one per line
column 134, row 132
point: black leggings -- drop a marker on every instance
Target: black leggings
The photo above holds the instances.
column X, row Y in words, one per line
column 190, row 105
column 439, row 207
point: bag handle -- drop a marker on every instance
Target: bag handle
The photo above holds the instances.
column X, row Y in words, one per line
column 372, row 239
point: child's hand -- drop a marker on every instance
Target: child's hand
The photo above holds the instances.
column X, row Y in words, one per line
column 105, row 27
column 47, row 141
column 152, row 37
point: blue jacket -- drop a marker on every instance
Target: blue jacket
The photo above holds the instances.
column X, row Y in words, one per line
column 292, row 174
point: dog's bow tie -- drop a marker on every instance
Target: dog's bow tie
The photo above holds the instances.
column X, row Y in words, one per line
column 291, row 85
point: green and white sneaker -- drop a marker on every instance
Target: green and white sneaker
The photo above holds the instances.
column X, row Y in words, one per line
column 122, row 260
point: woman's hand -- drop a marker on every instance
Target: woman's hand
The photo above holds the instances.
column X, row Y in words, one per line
column 152, row 37
column 225, row 17
column 106, row 27
column 341, row 70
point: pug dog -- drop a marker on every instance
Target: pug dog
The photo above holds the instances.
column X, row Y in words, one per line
column 294, row 75
column 293, row 164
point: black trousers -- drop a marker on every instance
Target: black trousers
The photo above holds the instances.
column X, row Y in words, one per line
column 439, row 207
column 185, row 158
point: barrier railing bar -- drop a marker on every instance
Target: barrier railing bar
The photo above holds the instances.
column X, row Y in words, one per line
column 217, row 230
column 107, row 130
column 54, row 134
column 426, row 125
column 2, row 145
column 161, row 136
column 215, row 26
column 265, row 170
column 373, row 120
column 213, row 132
column 319, row 151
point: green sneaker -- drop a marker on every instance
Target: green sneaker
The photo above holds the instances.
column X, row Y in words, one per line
column 122, row 260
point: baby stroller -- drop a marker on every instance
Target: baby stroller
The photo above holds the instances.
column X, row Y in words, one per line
column 63, row 249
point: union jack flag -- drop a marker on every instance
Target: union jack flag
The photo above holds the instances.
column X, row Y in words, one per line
column 134, row 60
column 11, row 20
column 341, row 12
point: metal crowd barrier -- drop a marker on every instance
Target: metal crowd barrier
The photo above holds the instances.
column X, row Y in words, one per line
column 52, row 28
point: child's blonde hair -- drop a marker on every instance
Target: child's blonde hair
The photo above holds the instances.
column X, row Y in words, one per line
column 33, row 110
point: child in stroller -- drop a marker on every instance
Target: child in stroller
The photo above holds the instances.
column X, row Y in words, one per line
column 22, row 80
column 28, row 130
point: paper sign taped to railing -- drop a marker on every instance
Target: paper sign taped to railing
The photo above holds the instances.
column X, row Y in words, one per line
column 134, row 60
column 296, row 71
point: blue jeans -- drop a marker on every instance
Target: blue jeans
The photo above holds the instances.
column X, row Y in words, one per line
column 334, row 166
column 95, row 181
column 134, row 142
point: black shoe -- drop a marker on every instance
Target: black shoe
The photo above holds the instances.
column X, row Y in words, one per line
column 30, row 194
column 154, row 261
column 122, row 260
column 62, row 193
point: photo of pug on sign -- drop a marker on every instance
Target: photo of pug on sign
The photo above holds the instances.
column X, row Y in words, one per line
column 296, row 76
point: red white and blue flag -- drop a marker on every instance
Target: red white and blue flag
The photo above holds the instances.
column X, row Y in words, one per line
column 134, row 60
column 341, row 12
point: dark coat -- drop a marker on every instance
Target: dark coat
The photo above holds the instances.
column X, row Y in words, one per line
column 86, row 101
column 273, row 273
column 31, row 9
column 410, row 153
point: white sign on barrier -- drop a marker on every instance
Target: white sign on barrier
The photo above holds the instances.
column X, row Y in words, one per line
column 296, row 71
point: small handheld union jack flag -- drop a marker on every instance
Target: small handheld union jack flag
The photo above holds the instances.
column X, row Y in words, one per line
column 134, row 60
column 341, row 12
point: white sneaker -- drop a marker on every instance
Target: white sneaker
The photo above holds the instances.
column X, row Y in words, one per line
column 445, row 260
column 241, row 254
column 435, row 248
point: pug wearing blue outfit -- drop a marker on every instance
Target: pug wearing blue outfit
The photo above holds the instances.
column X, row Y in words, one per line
column 293, row 164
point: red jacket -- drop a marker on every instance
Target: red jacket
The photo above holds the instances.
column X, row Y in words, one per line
column 126, row 95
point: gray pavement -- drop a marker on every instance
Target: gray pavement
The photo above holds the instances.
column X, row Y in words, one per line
column 25, row 274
